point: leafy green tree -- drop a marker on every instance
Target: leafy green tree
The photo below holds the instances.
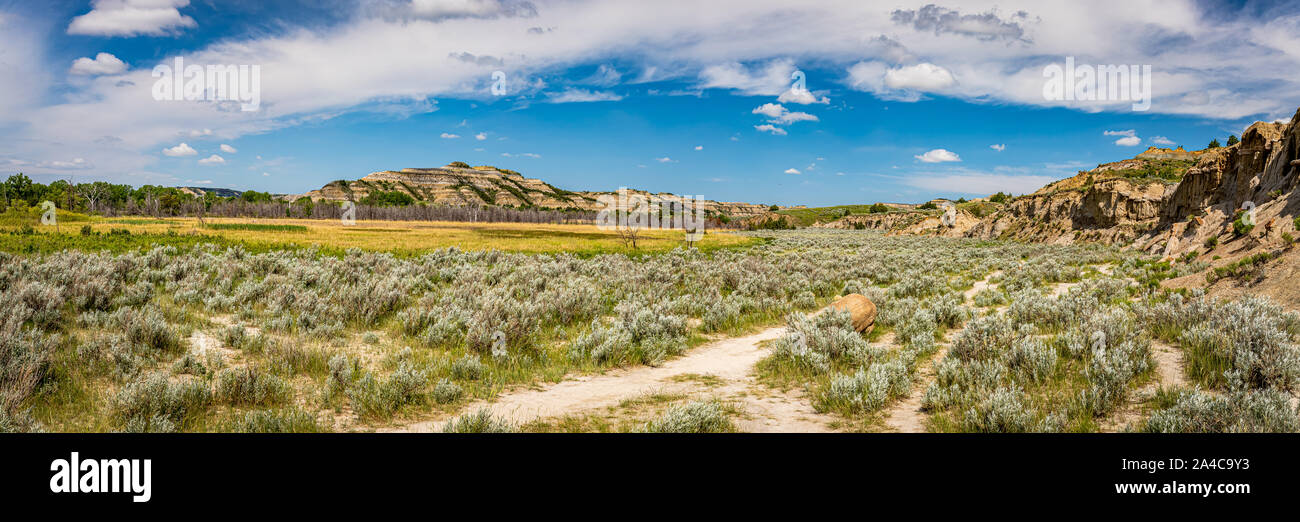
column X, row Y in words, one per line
column 253, row 196
column 18, row 187
column 1214, row 144
column 1232, row 140
column 394, row 198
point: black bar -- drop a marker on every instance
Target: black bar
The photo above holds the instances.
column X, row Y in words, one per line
column 313, row 472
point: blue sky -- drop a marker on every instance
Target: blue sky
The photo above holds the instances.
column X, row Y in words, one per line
column 898, row 102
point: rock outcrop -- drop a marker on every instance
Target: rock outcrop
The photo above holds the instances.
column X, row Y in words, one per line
column 1182, row 206
column 462, row 185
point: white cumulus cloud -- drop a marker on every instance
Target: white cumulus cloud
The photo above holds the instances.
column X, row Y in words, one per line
column 228, row 149
column 776, row 131
column 180, row 150
column 801, row 97
column 938, row 156
column 213, row 160
column 131, row 18
column 1129, row 137
column 920, row 77
column 102, row 64
column 780, row 115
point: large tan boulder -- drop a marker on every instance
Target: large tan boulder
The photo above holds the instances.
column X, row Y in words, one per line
column 860, row 309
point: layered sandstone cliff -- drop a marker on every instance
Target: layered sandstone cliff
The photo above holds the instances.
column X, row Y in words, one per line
column 462, row 185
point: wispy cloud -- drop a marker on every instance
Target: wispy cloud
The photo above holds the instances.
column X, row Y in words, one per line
column 582, row 96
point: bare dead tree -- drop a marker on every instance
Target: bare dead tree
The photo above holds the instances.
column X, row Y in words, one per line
column 93, row 192
column 629, row 233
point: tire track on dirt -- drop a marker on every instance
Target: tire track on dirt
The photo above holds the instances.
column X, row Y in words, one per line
column 730, row 360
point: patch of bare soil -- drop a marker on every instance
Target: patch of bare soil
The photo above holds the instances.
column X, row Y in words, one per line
column 1169, row 373
column 1062, row 288
column 727, row 363
column 202, row 344
column 905, row 416
column 1274, row 279
column 1169, row 364
column 981, row 285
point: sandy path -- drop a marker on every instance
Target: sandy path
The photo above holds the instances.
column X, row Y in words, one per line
column 201, row 344
column 1062, row 288
column 906, row 416
column 1169, row 364
column 980, row 286
column 729, row 360
column 1170, row 373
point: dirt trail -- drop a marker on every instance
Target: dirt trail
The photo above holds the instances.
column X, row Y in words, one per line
column 906, row 416
column 729, row 360
column 1169, row 370
column 202, row 344
column 1169, row 364
column 981, row 285
column 1063, row 288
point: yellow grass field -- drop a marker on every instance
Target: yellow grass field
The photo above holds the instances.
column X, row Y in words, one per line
column 413, row 237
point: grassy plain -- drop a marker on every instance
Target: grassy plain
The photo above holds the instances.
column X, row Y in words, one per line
column 809, row 216
column 398, row 237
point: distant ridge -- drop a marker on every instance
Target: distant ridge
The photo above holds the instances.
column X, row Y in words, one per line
column 222, row 192
column 458, row 184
